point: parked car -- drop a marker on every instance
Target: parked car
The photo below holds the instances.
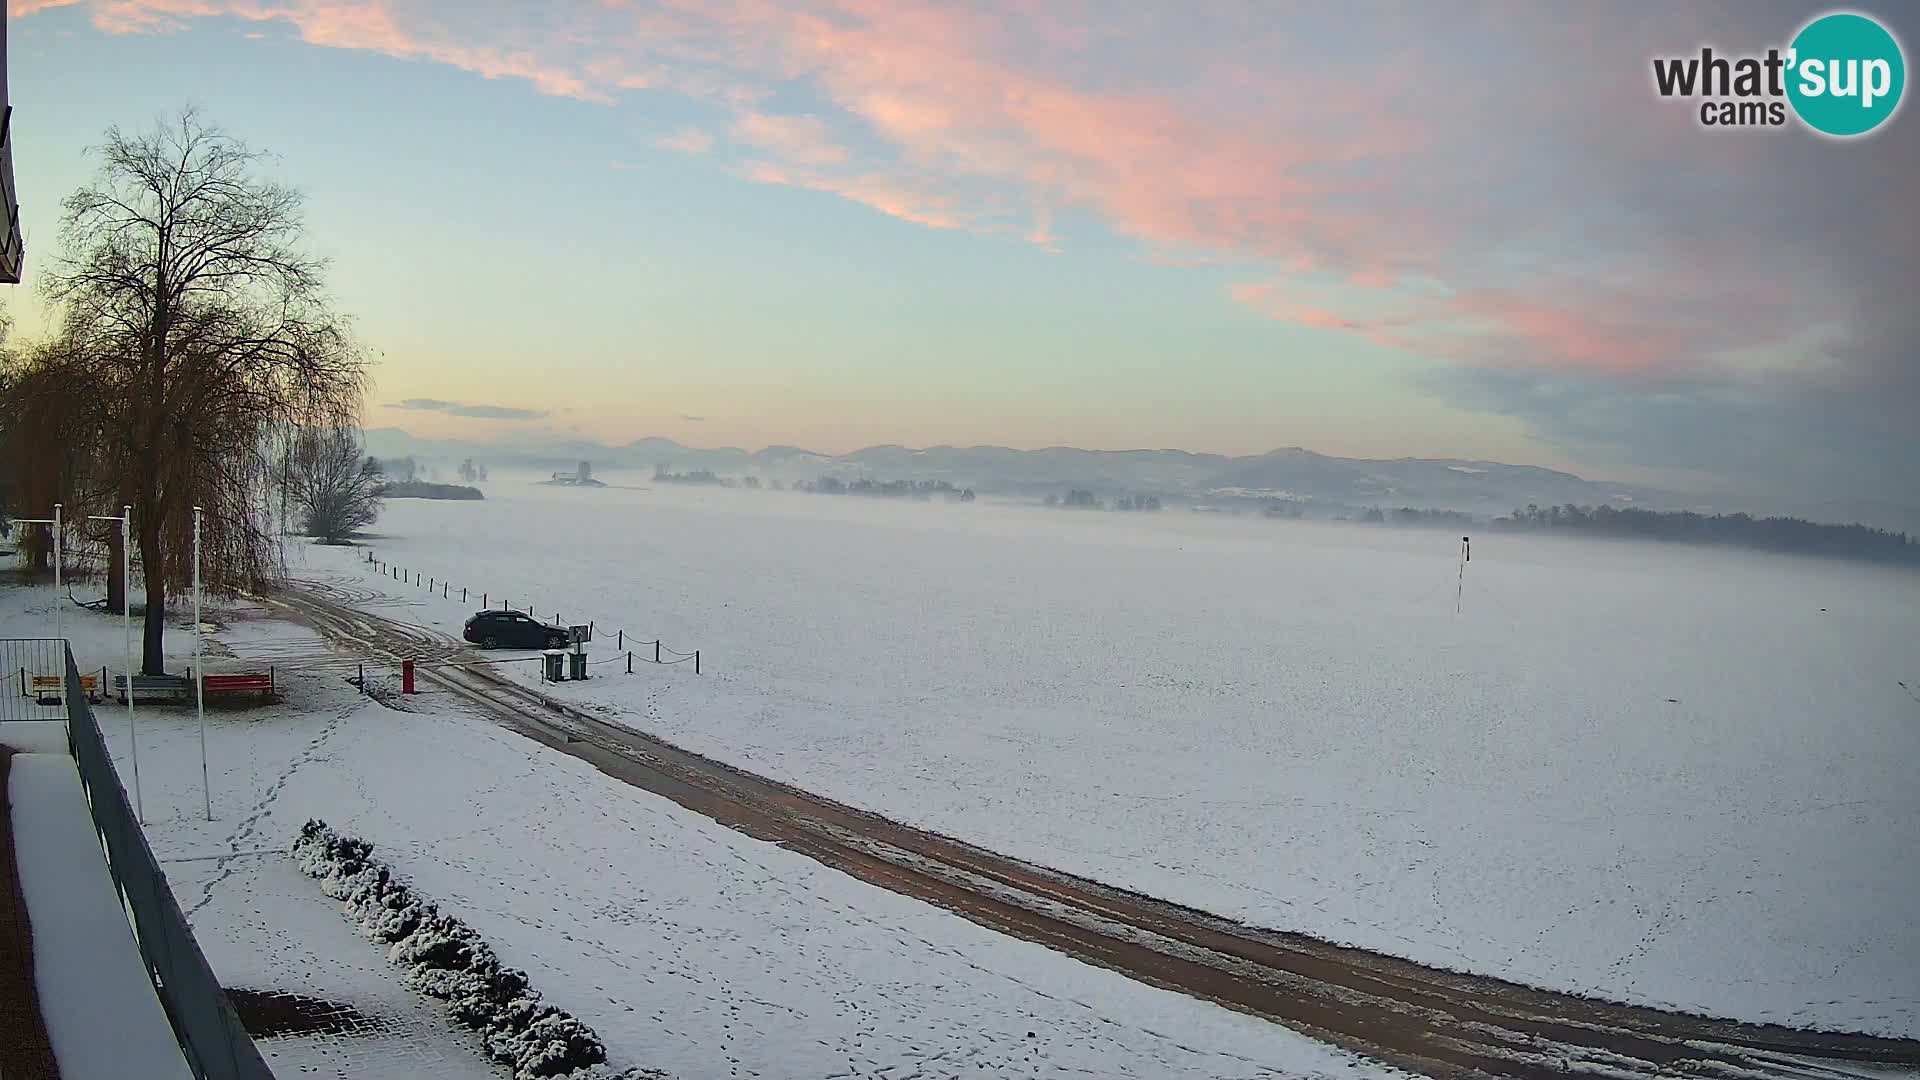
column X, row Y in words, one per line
column 513, row 630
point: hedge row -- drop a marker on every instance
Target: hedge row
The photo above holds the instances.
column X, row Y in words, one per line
column 446, row 959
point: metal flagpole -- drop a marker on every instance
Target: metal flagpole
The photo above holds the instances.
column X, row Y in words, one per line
column 199, row 676
column 126, row 631
column 59, row 614
column 59, row 594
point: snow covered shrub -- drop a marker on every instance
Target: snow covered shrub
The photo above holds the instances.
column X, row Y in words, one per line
column 444, row 958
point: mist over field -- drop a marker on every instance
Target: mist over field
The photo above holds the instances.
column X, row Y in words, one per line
column 1655, row 772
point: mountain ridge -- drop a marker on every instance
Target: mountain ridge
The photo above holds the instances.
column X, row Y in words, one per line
column 1290, row 474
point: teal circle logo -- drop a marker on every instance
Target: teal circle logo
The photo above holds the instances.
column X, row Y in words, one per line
column 1845, row 74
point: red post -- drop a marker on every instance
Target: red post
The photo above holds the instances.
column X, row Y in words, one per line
column 406, row 676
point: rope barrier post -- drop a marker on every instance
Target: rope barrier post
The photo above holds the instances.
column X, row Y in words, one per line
column 483, row 600
column 463, row 594
column 444, row 588
column 629, row 663
column 696, row 661
column 619, row 639
column 363, row 678
column 656, row 650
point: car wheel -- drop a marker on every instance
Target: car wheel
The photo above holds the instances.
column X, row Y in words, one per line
column 489, row 642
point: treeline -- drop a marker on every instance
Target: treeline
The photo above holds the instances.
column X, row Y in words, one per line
column 1082, row 499
column 661, row 475
column 1407, row 515
column 887, row 489
column 424, row 489
column 1784, row 534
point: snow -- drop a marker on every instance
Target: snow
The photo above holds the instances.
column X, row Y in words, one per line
column 1658, row 773
column 690, row 948
column 100, row 1010
column 35, row 736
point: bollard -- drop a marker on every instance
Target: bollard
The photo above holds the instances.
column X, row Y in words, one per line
column 463, row 594
column 656, row 650
column 443, row 590
column 629, row 663
column 696, row 661
column 406, row 676
column 483, row 601
column 619, row 639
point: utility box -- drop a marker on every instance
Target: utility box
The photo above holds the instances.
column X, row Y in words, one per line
column 553, row 665
column 577, row 663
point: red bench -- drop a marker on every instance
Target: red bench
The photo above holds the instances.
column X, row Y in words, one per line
column 238, row 683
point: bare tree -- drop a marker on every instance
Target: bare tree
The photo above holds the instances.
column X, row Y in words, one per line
column 335, row 488
column 50, row 432
column 186, row 295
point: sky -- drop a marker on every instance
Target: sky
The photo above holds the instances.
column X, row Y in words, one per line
column 1375, row 230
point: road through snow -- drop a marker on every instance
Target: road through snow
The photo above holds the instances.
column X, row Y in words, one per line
column 1435, row 1022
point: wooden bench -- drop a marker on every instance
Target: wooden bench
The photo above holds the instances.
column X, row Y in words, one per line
column 52, row 689
column 238, row 683
column 155, row 688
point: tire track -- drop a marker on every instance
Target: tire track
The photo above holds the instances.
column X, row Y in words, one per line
column 1442, row 1023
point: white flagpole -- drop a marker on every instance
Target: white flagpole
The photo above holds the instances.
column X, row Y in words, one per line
column 59, row 594
column 126, row 624
column 199, row 676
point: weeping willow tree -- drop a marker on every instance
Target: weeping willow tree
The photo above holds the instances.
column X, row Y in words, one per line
column 195, row 323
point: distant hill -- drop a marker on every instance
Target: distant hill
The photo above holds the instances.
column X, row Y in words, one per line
column 1292, row 474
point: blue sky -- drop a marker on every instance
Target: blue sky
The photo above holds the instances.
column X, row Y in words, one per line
column 1375, row 231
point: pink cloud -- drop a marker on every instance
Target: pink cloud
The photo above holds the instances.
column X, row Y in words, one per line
column 873, row 191
column 800, row 139
column 686, row 141
column 1345, row 151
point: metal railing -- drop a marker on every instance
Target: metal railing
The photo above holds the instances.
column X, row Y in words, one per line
column 212, row 1039
column 34, row 671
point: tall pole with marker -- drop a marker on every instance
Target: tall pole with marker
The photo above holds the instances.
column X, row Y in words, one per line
column 1466, row 556
column 199, row 676
column 126, row 631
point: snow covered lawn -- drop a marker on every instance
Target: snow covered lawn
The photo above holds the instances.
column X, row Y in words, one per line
column 688, row 947
column 1658, row 773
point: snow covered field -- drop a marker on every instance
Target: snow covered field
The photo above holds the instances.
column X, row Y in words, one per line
column 1663, row 774
column 689, row 947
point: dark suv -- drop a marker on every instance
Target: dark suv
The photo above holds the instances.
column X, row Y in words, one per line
column 513, row 630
